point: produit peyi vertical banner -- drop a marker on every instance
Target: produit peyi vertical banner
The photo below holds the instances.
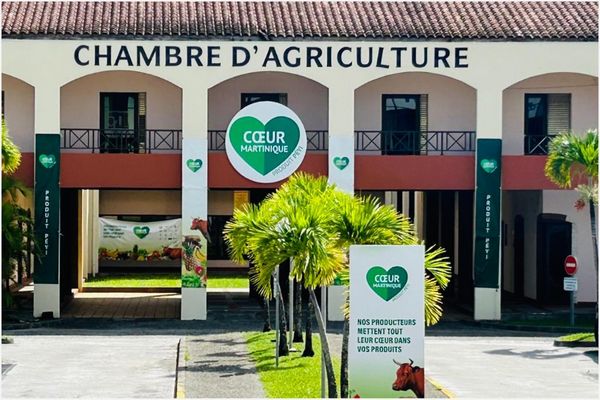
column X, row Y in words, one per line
column 486, row 258
column 387, row 321
column 47, row 206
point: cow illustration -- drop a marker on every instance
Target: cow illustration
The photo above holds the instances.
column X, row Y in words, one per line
column 202, row 226
column 409, row 377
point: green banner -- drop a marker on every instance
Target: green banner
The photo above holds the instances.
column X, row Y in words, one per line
column 487, row 213
column 47, row 206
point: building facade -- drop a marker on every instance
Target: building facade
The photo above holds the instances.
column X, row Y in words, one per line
column 443, row 110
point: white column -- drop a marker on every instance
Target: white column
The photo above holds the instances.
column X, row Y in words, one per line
column 341, row 138
column 95, row 227
column 487, row 301
column 46, row 296
column 340, row 168
column 194, row 201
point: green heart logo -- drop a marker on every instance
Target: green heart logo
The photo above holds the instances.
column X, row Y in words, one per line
column 341, row 162
column 194, row 165
column 387, row 284
column 264, row 147
column 47, row 160
column 489, row 166
column 141, row 231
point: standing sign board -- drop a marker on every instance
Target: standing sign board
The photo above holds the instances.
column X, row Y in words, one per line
column 387, row 327
column 487, row 213
column 47, row 207
column 570, row 284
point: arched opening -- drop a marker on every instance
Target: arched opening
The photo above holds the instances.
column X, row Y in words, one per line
column 409, row 116
column 120, row 112
column 415, row 113
column 17, row 109
column 307, row 98
column 539, row 107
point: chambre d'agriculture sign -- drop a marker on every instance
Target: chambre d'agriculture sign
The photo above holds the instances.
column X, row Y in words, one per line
column 265, row 142
column 387, row 327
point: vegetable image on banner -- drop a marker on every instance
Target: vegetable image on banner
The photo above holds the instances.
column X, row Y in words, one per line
column 386, row 355
column 139, row 241
column 194, row 260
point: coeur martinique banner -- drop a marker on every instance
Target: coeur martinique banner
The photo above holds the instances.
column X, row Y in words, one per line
column 387, row 322
column 265, row 142
column 47, row 206
column 139, row 241
column 487, row 213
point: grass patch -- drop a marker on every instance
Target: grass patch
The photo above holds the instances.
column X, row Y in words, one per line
column 170, row 280
column 167, row 280
column 228, row 281
column 578, row 337
column 296, row 377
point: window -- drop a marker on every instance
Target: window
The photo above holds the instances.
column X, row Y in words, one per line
column 403, row 119
column 545, row 115
column 122, row 122
column 249, row 98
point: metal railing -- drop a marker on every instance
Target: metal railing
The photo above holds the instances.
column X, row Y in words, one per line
column 537, row 145
column 415, row 142
column 315, row 140
column 120, row 140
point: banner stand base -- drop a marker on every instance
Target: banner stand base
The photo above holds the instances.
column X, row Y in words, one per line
column 193, row 304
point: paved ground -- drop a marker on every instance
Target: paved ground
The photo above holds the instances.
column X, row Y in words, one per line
column 124, row 305
column 511, row 367
column 217, row 365
column 89, row 366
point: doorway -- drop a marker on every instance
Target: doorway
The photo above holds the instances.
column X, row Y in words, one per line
column 400, row 124
column 119, row 118
column 553, row 245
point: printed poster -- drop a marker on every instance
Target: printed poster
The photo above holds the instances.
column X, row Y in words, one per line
column 139, row 241
column 387, row 322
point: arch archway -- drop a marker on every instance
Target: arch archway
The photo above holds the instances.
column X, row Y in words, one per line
column 442, row 104
column 573, row 94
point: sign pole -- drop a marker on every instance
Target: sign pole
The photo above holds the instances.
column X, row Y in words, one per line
column 572, row 307
column 276, row 292
column 324, row 315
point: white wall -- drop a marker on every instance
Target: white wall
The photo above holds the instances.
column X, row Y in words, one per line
column 80, row 99
column 307, row 98
column 561, row 202
column 18, row 111
column 584, row 105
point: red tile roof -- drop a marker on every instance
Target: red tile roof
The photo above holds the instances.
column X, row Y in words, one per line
column 565, row 20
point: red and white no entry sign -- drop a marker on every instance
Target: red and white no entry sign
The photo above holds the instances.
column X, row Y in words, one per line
column 570, row 265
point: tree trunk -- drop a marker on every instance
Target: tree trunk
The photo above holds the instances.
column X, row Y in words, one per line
column 297, row 312
column 595, row 243
column 331, row 384
column 308, row 316
column 267, row 315
column 283, row 342
column 344, row 363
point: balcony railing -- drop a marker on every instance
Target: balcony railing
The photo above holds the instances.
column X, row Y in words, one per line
column 121, row 140
column 415, row 142
column 315, row 140
column 537, row 145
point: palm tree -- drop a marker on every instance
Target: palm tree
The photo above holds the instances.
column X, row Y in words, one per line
column 292, row 223
column 11, row 156
column 572, row 157
column 367, row 221
column 310, row 221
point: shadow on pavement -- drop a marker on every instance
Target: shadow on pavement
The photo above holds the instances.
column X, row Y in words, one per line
column 534, row 354
column 593, row 354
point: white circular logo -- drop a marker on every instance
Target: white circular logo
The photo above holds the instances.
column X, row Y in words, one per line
column 265, row 142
